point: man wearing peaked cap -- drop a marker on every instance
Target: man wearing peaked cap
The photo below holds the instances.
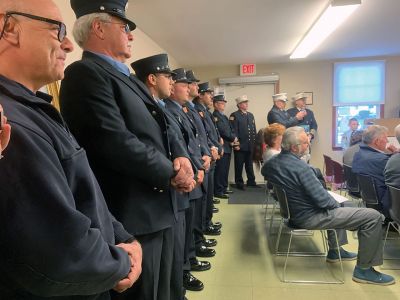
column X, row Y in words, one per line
column 228, row 136
column 134, row 155
column 278, row 114
column 175, row 105
column 156, row 64
column 116, row 8
column 202, row 104
column 308, row 122
column 244, row 126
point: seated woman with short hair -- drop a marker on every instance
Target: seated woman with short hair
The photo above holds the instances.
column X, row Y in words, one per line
column 273, row 139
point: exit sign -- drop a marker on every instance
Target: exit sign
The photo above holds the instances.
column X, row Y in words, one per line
column 247, row 69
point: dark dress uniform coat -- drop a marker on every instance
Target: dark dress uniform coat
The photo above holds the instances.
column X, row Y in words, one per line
column 125, row 134
column 276, row 115
column 225, row 130
column 244, row 126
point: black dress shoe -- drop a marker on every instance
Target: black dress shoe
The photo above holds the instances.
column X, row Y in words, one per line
column 253, row 184
column 215, row 210
column 200, row 266
column 210, row 242
column 228, row 191
column 216, row 201
column 210, row 230
column 222, row 196
column 217, row 225
column 203, row 251
column 240, row 186
column 191, row 283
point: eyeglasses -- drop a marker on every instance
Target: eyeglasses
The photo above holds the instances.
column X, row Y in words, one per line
column 125, row 26
column 62, row 29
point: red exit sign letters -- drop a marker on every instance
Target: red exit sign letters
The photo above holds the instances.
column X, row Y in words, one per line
column 247, row 69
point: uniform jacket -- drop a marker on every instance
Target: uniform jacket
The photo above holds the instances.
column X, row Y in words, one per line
column 191, row 137
column 368, row 161
column 308, row 120
column 57, row 236
column 305, row 193
column 209, row 125
column 225, row 130
column 127, row 139
column 244, row 127
column 276, row 115
column 196, row 119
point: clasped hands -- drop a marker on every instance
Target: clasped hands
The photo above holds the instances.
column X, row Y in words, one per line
column 183, row 181
column 134, row 251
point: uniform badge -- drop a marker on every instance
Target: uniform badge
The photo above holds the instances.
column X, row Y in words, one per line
column 201, row 114
column 215, row 119
column 185, row 110
column 232, row 118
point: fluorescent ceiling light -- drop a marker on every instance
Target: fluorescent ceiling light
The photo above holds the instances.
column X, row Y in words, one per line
column 334, row 15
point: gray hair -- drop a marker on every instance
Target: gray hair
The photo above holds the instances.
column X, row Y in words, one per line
column 83, row 26
column 397, row 132
column 373, row 132
column 291, row 137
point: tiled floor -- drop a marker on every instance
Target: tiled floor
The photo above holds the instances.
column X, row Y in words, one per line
column 244, row 268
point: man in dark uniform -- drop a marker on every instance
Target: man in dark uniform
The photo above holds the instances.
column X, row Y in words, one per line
column 202, row 103
column 229, row 138
column 278, row 114
column 134, row 155
column 308, row 122
column 200, row 211
column 244, row 126
column 58, row 238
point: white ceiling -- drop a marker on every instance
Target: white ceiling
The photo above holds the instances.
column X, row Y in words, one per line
column 223, row 32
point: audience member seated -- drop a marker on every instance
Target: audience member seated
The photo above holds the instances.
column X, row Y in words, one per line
column 273, row 139
column 371, row 160
column 355, row 141
column 392, row 170
column 312, row 207
column 346, row 137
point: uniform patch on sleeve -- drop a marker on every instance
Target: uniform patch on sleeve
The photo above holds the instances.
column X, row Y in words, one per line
column 201, row 114
column 185, row 109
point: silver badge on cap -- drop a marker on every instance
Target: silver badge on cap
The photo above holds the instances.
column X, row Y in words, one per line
column 102, row 8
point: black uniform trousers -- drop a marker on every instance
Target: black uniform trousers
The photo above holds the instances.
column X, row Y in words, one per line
column 210, row 195
column 199, row 225
column 221, row 175
column 157, row 260
column 177, row 291
column 244, row 158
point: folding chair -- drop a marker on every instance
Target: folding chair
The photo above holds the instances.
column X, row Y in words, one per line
column 328, row 169
column 285, row 221
column 353, row 188
column 338, row 176
column 368, row 191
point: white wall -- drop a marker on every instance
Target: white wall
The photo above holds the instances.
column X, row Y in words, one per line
column 313, row 77
column 143, row 45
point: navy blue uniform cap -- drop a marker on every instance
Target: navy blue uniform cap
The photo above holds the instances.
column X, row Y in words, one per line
column 116, row 8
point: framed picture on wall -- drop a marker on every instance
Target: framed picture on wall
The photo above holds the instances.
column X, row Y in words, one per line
column 309, row 99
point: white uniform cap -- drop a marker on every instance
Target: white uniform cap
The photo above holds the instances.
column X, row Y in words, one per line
column 241, row 99
column 280, row 97
column 299, row 96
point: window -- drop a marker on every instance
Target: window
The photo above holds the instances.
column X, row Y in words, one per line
column 358, row 92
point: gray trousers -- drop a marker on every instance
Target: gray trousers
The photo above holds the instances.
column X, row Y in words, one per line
column 368, row 222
